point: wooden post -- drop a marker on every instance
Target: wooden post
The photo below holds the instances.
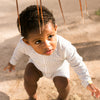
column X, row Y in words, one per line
column 41, row 12
column 86, row 7
column 38, row 16
column 81, row 8
column 62, row 11
column 18, row 16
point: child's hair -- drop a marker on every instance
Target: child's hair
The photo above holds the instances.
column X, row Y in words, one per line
column 29, row 19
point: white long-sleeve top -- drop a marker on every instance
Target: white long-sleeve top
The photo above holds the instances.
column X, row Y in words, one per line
column 49, row 64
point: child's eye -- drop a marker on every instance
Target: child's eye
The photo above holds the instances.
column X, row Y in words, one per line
column 50, row 36
column 38, row 42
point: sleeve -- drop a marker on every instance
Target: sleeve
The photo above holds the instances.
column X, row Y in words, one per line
column 77, row 64
column 18, row 52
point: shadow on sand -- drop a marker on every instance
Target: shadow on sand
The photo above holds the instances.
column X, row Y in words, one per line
column 89, row 50
column 6, row 50
column 4, row 96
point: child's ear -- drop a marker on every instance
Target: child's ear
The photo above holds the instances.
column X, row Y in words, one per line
column 25, row 41
column 55, row 27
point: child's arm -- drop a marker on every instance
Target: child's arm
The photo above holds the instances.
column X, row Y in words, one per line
column 94, row 90
column 18, row 52
column 80, row 68
column 78, row 65
column 10, row 67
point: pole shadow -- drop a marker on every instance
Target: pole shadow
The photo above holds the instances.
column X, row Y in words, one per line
column 89, row 50
column 4, row 96
column 6, row 51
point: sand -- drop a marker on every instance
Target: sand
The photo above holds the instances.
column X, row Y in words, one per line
column 85, row 35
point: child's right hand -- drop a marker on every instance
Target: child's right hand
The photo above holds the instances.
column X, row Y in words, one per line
column 10, row 67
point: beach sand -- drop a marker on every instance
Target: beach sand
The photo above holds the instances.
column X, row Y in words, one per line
column 83, row 34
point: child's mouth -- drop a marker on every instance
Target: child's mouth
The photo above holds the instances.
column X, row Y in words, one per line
column 49, row 52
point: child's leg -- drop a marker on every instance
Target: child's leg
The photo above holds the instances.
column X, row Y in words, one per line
column 62, row 85
column 31, row 76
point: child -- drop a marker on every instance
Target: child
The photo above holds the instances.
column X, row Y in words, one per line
column 50, row 54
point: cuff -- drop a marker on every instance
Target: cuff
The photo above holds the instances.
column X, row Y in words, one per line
column 12, row 62
column 86, row 83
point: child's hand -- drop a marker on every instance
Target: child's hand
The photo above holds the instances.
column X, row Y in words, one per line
column 10, row 67
column 95, row 91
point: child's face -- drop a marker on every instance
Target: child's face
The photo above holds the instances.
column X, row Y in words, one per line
column 44, row 43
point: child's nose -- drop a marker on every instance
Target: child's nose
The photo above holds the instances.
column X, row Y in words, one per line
column 47, row 44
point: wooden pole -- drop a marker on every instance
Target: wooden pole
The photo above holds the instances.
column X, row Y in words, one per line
column 61, row 11
column 38, row 16
column 81, row 8
column 86, row 7
column 18, row 16
column 41, row 12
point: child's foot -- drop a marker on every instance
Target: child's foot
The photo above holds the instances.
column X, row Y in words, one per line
column 59, row 98
column 31, row 98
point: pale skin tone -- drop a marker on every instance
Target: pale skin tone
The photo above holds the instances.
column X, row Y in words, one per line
column 45, row 44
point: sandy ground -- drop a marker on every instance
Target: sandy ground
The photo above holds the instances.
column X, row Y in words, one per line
column 85, row 36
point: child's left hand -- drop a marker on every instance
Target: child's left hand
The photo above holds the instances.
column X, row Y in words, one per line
column 95, row 91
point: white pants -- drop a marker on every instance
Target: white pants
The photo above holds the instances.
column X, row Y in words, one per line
column 61, row 71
